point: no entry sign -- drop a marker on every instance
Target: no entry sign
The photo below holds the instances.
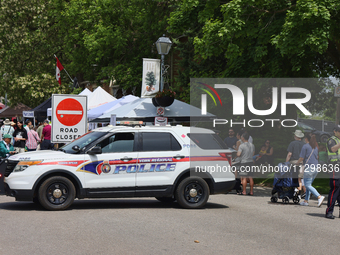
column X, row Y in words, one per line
column 69, row 112
column 69, row 117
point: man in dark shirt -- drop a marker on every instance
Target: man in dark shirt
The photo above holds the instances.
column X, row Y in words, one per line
column 294, row 149
column 231, row 139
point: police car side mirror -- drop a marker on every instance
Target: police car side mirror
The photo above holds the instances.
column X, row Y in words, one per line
column 95, row 150
column 76, row 148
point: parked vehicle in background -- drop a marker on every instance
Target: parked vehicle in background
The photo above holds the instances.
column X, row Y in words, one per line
column 321, row 136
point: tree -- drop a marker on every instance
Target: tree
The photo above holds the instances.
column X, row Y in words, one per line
column 26, row 51
column 108, row 39
column 95, row 40
column 263, row 39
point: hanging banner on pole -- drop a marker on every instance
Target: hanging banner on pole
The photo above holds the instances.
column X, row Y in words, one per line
column 151, row 77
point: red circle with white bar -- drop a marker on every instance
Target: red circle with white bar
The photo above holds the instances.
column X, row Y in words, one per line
column 69, row 112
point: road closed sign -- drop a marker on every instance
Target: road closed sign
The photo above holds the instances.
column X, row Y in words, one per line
column 69, row 117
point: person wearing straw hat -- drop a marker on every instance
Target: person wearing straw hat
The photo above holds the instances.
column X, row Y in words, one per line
column 7, row 128
column 6, row 147
column 293, row 155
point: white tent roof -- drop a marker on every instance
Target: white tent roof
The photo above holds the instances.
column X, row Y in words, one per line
column 86, row 92
column 100, row 110
column 144, row 108
column 99, row 97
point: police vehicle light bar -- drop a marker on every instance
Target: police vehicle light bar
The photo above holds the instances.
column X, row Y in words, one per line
column 129, row 123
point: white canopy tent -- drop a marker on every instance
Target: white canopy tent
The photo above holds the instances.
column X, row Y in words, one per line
column 143, row 109
column 86, row 92
column 98, row 98
column 100, row 110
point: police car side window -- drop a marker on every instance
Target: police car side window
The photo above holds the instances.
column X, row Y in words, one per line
column 154, row 141
column 119, row 142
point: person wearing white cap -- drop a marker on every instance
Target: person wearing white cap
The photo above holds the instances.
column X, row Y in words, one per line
column 293, row 155
column 7, row 128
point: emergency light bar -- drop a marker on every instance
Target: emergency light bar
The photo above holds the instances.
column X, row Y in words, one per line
column 129, row 123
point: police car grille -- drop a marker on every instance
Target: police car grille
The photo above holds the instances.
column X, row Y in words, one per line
column 10, row 167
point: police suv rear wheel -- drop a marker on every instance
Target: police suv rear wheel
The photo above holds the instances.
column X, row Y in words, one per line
column 56, row 193
column 192, row 193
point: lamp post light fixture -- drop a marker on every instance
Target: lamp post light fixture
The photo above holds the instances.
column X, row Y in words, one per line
column 163, row 45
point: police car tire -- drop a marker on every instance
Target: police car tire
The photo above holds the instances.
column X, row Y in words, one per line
column 62, row 187
column 183, row 197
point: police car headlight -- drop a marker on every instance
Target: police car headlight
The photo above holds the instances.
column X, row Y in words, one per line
column 22, row 165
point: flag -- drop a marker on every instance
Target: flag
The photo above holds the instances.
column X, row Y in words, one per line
column 58, row 70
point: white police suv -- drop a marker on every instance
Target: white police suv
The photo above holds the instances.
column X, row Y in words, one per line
column 169, row 163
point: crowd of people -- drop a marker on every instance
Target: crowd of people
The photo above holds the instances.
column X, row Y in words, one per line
column 303, row 152
column 17, row 136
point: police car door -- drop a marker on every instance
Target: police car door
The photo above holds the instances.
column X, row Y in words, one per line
column 161, row 159
column 114, row 167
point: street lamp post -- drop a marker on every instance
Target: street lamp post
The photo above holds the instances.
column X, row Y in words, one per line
column 163, row 45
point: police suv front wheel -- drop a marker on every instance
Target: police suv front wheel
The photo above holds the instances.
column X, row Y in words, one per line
column 192, row 193
column 56, row 193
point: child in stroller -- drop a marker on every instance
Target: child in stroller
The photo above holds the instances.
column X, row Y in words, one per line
column 285, row 185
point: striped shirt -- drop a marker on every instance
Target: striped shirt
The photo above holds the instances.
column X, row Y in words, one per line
column 32, row 138
column 7, row 129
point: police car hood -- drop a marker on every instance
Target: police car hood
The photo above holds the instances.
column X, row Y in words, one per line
column 44, row 155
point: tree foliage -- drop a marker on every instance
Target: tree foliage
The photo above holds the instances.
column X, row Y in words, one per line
column 103, row 40
column 27, row 40
column 263, row 39
column 95, row 41
column 109, row 38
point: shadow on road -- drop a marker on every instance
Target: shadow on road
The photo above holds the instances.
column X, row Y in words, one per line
column 258, row 192
column 321, row 215
column 106, row 204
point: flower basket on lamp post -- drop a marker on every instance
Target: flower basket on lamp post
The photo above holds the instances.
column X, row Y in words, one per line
column 165, row 98
column 154, row 102
column 165, row 101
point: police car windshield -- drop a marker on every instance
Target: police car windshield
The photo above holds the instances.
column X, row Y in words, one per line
column 82, row 141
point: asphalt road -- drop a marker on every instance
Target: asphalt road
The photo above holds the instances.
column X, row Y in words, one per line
column 230, row 224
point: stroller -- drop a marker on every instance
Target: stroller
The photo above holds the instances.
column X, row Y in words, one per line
column 285, row 185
